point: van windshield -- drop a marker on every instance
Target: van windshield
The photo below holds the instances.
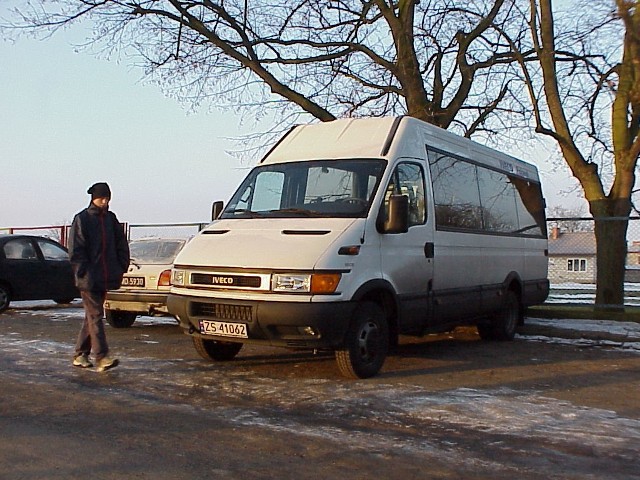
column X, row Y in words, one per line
column 319, row 188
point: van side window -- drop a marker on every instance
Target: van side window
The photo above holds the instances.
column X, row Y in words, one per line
column 473, row 197
column 530, row 205
column 408, row 179
column 498, row 199
column 455, row 192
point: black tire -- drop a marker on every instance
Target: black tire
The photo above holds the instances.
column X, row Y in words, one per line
column 504, row 324
column 216, row 350
column 63, row 301
column 118, row 319
column 366, row 342
column 5, row 297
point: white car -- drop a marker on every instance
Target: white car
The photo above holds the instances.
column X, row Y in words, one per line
column 146, row 284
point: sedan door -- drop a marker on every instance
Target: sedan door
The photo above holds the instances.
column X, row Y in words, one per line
column 57, row 272
column 24, row 270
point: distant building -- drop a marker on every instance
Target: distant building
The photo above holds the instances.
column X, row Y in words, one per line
column 572, row 258
column 633, row 263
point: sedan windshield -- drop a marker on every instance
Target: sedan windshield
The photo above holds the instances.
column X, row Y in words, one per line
column 159, row 252
column 321, row 188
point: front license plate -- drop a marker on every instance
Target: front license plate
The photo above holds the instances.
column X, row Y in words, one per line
column 223, row 329
column 133, row 281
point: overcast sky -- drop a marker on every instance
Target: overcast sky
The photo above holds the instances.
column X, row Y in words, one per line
column 68, row 120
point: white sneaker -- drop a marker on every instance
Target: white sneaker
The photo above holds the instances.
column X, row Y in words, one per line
column 106, row 363
column 82, row 361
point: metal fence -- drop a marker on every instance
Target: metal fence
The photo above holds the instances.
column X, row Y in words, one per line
column 164, row 230
column 60, row 233
column 572, row 261
column 572, row 253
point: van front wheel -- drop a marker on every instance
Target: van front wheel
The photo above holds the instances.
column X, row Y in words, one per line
column 215, row 350
column 366, row 343
column 504, row 324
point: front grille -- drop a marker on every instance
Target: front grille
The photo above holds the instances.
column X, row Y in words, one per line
column 222, row 311
column 225, row 280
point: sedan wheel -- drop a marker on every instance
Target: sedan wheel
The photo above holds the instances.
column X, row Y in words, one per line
column 118, row 319
column 63, row 301
column 5, row 297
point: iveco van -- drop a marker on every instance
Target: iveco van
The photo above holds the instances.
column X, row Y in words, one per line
column 350, row 233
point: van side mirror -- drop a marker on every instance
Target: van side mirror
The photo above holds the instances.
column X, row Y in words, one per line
column 216, row 209
column 398, row 218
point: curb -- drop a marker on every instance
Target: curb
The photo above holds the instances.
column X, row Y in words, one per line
column 575, row 329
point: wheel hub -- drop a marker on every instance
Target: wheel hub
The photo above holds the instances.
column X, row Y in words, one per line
column 368, row 341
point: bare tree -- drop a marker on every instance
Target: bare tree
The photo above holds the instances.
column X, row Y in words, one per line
column 449, row 62
column 569, row 219
column 588, row 100
column 443, row 61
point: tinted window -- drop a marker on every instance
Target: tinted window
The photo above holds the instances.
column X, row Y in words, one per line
column 498, row 199
column 20, row 249
column 455, row 192
column 473, row 197
column 530, row 206
column 51, row 251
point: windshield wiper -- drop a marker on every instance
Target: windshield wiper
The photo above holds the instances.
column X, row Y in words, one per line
column 299, row 211
column 249, row 213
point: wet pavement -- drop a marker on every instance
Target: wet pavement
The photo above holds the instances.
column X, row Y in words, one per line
column 561, row 401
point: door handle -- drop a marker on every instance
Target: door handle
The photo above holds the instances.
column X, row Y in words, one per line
column 428, row 250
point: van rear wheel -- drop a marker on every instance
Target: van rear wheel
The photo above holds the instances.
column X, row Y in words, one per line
column 216, row 350
column 366, row 342
column 504, row 324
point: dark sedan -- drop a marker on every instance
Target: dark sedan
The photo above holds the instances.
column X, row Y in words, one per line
column 34, row 268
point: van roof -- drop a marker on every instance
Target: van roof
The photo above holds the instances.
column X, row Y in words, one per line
column 343, row 138
column 386, row 137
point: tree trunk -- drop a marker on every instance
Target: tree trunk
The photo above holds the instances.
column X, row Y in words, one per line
column 611, row 256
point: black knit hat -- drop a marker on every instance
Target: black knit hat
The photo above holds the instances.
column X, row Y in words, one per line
column 99, row 190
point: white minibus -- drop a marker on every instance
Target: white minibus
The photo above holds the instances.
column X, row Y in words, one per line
column 350, row 233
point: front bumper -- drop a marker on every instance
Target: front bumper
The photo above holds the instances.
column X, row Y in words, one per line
column 281, row 324
column 143, row 303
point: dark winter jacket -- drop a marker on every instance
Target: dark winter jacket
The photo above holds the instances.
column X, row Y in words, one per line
column 98, row 250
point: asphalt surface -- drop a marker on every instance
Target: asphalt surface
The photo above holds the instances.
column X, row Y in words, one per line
column 559, row 402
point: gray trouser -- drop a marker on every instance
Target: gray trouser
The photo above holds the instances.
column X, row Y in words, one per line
column 92, row 335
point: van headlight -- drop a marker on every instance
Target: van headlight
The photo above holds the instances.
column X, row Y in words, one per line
column 316, row 283
column 177, row 277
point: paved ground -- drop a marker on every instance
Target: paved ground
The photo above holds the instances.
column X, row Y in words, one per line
column 560, row 401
